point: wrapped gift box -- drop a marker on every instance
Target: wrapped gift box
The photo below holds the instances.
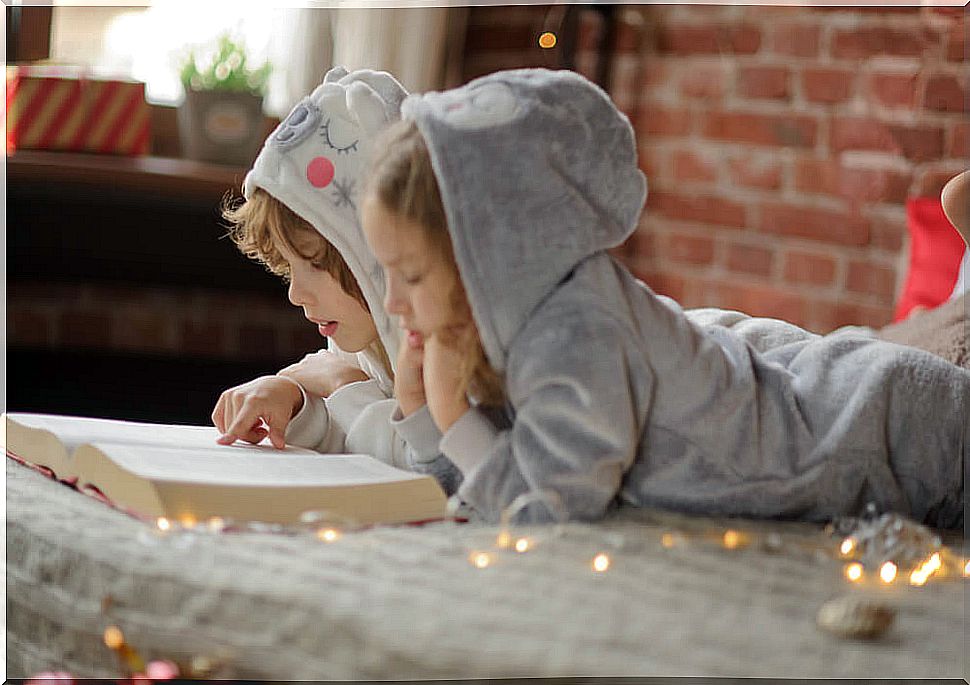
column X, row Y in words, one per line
column 53, row 108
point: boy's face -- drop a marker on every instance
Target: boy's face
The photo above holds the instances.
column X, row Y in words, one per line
column 337, row 315
column 420, row 282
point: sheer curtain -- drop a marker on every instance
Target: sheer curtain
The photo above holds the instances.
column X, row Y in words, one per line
column 418, row 45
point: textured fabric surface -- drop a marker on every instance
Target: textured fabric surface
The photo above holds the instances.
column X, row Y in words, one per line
column 404, row 602
column 944, row 331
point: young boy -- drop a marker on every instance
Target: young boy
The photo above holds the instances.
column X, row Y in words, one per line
column 300, row 219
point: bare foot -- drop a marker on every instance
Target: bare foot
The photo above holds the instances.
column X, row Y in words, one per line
column 956, row 203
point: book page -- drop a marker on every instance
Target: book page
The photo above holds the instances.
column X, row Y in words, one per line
column 251, row 465
column 74, row 431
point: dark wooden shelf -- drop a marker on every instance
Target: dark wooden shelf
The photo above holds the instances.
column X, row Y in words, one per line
column 168, row 176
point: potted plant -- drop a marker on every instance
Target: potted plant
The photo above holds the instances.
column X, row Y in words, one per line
column 221, row 119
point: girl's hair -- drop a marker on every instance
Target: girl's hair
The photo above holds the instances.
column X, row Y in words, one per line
column 262, row 223
column 401, row 178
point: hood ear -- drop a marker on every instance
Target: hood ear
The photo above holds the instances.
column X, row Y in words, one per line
column 335, row 74
column 368, row 107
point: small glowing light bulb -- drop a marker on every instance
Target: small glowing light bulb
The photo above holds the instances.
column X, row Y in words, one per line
column 328, row 534
column 847, row 546
column 188, row 521
column 853, row 571
column 667, row 540
column 547, row 40
column 966, row 568
column 503, row 540
column 480, row 559
column 163, row 523
column 887, row 572
column 601, row 562
column 523, row 545
column 731, row 539
column 113, row 637
column 918, row 577
column 216, row 523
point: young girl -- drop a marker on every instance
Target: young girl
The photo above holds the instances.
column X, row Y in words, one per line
column 491, row 209
column 300, row 219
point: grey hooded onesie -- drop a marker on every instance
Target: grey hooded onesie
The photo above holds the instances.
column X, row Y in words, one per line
column 614, row 395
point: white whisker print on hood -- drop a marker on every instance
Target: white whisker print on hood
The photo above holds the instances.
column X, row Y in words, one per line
column 614, row 394
column 313, row 163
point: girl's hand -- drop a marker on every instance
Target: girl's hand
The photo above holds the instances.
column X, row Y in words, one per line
column 442, row 378
column 323, row 373
column 408, row 378
column 242, row 411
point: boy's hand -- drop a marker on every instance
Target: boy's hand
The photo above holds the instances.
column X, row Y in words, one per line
column 322, row 373
column 242, row 411
column 408, row 379
column 442, row 377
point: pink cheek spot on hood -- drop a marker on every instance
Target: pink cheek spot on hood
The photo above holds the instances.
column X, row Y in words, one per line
column 319, row 172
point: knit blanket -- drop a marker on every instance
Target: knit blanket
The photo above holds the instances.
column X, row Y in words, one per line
column 944, row 331
column 413, row 602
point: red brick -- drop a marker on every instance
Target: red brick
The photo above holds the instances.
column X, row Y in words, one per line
column 691, row 249
column 755, row 172
column 770, row 83
column 628, row 37
column 761, row 301
column 824, row 317
column 917, row 143
column 84, row 329
column 655, row 120
column 688, row 40
column 944, row 93
column 705, row 81
column 806, row 267
column 663, row 282
column 852, row 183
column 709, row 40
column 709, row 210
column 761, row 129
column 795, row 40
column 887, row 234
column 861, row 43
column 959, row 140
column 871, row 279
column 956, row 46
column 750, row 259
column 687, row 166
column 893, row 90
column 931, row 182
column 27, row 325
column 828, row 86
column 824, row 225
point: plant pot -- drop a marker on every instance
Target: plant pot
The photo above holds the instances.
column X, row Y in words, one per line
column 222, row 127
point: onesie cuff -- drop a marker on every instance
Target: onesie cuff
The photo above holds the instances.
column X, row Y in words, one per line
column 419, row 431
column 309, row 425
column 469, row 440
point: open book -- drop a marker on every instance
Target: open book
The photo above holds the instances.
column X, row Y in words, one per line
column 179, row 472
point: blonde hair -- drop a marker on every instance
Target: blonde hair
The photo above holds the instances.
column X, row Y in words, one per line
column 259, row 225
column 401, row 178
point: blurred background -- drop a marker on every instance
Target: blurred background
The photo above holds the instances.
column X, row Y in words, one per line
column 781, row 145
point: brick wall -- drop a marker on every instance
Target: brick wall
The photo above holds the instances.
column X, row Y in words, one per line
column 780, row 144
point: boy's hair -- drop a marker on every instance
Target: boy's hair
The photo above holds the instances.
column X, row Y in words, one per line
column 262, row 223
column 402, row 179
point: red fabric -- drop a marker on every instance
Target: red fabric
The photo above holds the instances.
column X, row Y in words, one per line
column 934, row 256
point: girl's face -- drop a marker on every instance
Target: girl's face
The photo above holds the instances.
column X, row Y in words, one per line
column 338, row 315
column 421, row 282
